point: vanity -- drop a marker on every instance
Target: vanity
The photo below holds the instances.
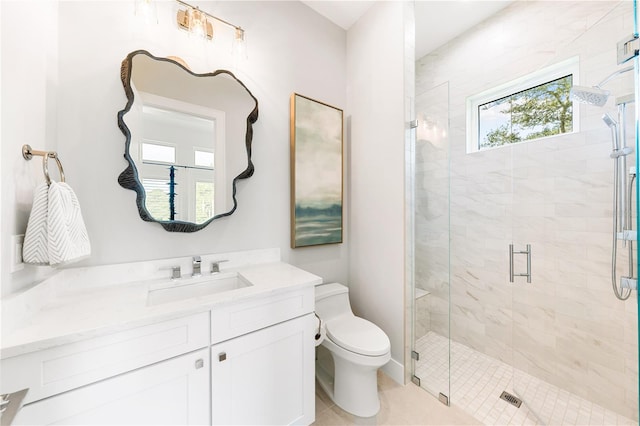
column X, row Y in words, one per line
column 126, row 344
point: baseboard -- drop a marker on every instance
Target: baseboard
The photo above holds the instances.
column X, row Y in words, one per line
column 395, row 370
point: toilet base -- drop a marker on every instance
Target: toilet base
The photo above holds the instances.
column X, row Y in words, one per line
column 354, row 388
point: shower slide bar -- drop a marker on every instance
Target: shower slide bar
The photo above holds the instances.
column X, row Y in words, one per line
column 628, row 235
column 511, row 254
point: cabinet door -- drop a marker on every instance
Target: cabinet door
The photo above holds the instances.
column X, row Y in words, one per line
column 265, row 377
column 172, row 392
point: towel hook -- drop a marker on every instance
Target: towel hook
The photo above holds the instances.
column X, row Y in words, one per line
column 28, row 154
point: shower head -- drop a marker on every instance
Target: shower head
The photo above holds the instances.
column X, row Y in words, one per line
column 595, row 95
column 589, row 95
column 609, row 121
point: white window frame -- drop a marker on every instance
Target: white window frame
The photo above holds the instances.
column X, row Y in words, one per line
column 569, row 66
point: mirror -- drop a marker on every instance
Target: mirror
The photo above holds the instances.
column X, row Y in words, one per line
column 188, row 140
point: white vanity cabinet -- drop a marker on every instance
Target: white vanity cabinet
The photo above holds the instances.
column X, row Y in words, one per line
column 245, row 356
column 262, row 361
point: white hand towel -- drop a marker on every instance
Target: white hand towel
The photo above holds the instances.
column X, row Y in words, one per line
column 35, row 249
column 68, row 238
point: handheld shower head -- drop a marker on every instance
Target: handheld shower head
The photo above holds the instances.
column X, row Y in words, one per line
column 589, row 95
column 609, row 121
column 613, row 125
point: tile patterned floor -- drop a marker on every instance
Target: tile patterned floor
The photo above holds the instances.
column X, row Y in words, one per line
column 477, row 381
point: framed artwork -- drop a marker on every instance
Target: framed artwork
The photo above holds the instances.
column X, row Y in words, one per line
column 316, row 172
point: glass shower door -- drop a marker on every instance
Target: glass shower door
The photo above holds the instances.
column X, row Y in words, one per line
column 574, row 342
column 431, row 344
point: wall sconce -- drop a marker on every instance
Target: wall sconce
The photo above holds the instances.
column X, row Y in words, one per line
column 200, row 23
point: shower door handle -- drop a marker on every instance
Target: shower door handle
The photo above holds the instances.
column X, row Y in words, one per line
column 510, row 263
column 511, row 268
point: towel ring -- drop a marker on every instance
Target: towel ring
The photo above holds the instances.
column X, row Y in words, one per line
column 45, row 166
column 28, row 154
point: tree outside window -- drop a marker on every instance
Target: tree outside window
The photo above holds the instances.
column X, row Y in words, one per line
column 540, row 111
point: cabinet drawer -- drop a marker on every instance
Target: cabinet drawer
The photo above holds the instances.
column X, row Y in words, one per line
column 66, row 367
column 244, row 317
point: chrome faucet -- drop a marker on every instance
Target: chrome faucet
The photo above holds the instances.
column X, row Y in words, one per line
column 215, row 266
column 196, row 266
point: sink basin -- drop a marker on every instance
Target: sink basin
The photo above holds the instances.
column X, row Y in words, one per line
column 187, row 288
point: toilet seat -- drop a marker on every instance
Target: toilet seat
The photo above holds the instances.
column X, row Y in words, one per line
column 358, row 335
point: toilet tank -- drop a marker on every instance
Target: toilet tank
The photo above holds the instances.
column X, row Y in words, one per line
column 332, row 300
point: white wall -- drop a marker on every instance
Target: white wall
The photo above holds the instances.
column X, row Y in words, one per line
column 29, row 99
column 63, row 84
column 375, row 95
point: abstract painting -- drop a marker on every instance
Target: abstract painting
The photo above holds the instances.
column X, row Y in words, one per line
column 316, row 172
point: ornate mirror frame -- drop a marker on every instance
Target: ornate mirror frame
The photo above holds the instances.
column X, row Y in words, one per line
column 129, row 178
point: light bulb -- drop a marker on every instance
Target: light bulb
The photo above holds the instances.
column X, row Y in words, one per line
column 147, row 11
column 239, row 44
column 198, row 23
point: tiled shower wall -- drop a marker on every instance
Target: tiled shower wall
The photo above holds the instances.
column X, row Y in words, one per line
column 566, row 327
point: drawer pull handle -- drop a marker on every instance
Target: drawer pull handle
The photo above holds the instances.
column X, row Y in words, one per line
column 222, row 356
column 199, row 363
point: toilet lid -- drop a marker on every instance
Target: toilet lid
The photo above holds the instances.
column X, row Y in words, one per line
column 358, row 335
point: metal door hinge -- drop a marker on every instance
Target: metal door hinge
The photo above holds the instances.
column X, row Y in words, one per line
column 443, row 398
column 415, row 355
column 628, row 48
column 413, row 124
column 415, row 380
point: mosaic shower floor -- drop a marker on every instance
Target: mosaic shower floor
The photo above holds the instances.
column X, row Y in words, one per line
column 477, row 381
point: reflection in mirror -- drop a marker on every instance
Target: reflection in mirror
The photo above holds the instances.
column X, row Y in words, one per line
column 188, row 140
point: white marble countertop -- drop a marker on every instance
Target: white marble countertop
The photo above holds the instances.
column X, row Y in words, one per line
column 80, row 310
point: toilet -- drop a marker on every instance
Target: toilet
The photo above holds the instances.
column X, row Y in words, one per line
column 350, row 354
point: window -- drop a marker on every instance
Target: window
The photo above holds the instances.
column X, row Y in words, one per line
column 157, row 198
column 203, row 158
column 532, row 107
column 157, row 152
column 204, row 201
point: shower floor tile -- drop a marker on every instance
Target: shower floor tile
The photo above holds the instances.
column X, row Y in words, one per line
column 477, row 380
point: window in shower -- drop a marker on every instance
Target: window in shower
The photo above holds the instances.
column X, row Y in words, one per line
column 532, row 107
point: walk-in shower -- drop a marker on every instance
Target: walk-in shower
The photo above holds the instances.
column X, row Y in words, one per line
column 561, row 343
